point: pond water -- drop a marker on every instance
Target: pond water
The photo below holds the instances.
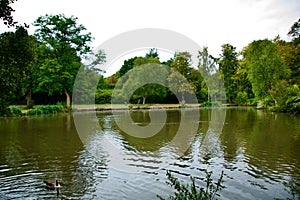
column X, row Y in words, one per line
column 94, row 159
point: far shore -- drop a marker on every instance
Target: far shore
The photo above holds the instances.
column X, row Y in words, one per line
column 111, row 107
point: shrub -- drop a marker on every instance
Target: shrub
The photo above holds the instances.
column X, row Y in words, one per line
column 242, row 98
column 49, row 109
column 293, row 104
column 182, row 104
column 16, row 111
column 31, row 104
column 211, row 104
column 103, row 96
column 193, row 192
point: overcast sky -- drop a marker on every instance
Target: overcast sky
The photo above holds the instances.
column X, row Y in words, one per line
column 208, row 22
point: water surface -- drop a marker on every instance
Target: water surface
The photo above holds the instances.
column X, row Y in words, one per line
column 257, row 151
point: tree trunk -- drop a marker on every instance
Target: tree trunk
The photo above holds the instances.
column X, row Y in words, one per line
column 144, row 100
column 28, row 98
column 67, row 98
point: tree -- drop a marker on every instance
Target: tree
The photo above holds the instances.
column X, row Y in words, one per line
column 6, row 12
column 228, row 64
column 178, row 79
column 295, row 32
column 242, row 85
column 67, row 42
column 17, row 52
column 265, row 67
column 127, row 65
column 207, row 66
column 152, row 54
column 137, row 76
column 144, row 81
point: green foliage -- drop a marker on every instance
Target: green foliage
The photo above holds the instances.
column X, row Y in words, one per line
column 264, row 65
column 242, row 98
column 44, row 110
column 16, row 111
column 293, row 104
column 4, row 109
column 138, row 107
column 295, row 30
column 64, row 41
column 212, row 104
column 47, row 64
column 17, row 50
column 6, row 12
column 193, row 192
column 30, row 104
column 208, row 68
column 143, row 81
column 127, row 65
column 184, row 79
column 182, row 104
column 103, row 96
column 228, row 65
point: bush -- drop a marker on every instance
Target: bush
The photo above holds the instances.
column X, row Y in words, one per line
column 31, row 104
column 16, row 111
column 103, row 96
column 182, row 104
column 293, row 104
column 212, row 104
column 192, row 191
column 49, row 109
column 242, row 98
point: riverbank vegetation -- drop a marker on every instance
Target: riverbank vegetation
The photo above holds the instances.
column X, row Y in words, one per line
column 41, row 69
column 193, row 191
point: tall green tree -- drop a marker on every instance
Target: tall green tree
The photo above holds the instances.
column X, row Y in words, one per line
column 207, row 66
column 228, row 65
column 67, row 43
column 178, row 79
column 137, row 70
column 17, row 52
column 265, row 67
column 144, row 81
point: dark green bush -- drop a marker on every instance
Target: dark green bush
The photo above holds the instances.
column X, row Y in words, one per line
column 16, row 111
column 103, row 96
column 293, row 104
column 44, row 110
column 31, row 104
column 211, row 104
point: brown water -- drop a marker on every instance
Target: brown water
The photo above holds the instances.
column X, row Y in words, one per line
column 257, row 151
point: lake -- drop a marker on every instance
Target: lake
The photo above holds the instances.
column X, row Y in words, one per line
column 93, row 158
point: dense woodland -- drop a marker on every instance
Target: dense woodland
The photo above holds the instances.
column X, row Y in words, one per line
column 40, row 69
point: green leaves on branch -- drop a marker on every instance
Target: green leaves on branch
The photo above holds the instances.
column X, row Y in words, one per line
column 192, row 191
column 60, row 32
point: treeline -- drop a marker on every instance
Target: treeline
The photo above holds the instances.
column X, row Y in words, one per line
column 266, row 73
column 41, row 69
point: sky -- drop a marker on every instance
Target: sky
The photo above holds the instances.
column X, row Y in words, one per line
column 210, row 23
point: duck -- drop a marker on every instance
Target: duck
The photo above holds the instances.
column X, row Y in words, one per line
column 52, row 184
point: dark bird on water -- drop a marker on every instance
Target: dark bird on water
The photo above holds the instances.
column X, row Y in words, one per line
column 52, row 184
